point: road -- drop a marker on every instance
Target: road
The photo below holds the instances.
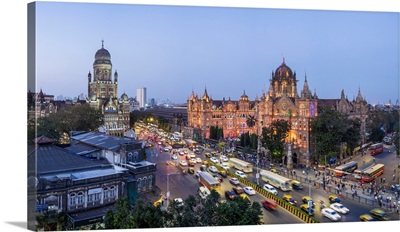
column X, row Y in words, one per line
column 182, row 185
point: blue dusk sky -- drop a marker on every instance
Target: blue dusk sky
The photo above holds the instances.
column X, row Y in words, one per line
column 172, row 50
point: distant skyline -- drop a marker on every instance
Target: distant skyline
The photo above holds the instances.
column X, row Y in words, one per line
column 172, row 50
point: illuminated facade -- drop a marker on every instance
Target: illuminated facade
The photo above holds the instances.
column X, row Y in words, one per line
column 280, row 102
column 103, row 94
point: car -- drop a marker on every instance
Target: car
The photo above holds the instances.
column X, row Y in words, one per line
column 218, row 177
column 191, row 170
column 208, row 154
column 223, row 173
column 230, row 194
column 225, row 166
column 339, row 208
column 223, row 158
column 197, row 151
column 331, row 214
column 203, row 192
column 203, row 168
column 234, row 181
column 379, row 214
column 269, row 204
column 212, row 169
column 249, row 190
column 296, row 185
column 334, row 199
column 198, row 160
column 245, row 197
column 214, row 160
column 366, row 218
column 238, row 190
column 240, row 174
column 289, row 199
column 185, row 151
column 273, row 170
column 174, row 157
column 306, row 199
column 197, row 174
column 192, row 162
column 192, row 155
column 270, row 189
column 166, row 149
column 179, row 202
column 183, row 163
column 181, row 153
column 307, row 209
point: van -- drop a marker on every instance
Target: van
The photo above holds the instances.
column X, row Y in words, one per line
column 203, row 192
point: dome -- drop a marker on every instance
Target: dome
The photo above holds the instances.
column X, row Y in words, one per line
column 244, row 97
column 102, row 56
column 124, row 97
column 283, row 71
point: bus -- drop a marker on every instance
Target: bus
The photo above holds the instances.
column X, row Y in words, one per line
column 209, row 181
column 276, row 180
column 346, row 168
column 240, row 165
column 373, row 172
column 376, row 148
column 359, row 172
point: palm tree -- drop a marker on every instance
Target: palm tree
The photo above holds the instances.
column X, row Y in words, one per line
column 251, row 121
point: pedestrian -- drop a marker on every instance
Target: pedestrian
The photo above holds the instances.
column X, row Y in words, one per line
column 394, row 176
column 383, row 179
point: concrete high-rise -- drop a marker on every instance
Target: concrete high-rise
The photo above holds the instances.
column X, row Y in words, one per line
column 141, row 96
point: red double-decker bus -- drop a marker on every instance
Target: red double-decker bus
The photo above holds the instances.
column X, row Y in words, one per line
column 376, row 148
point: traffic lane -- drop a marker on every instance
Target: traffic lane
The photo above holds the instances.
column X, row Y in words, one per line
column 278, row 216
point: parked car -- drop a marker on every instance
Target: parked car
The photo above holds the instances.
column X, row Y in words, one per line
column 225, row 166
column 213, row 169
column 249, row 190
column 234, row 181
column 192, row 162
column 331, row 214
column 198, row 160
column 224, row 158
column 339, row 208
column 179, row 202
column 289, row 199
column 270, row 189
column 241, row 174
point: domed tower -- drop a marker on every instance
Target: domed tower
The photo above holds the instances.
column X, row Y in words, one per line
column 102, row 84
column 283, row 82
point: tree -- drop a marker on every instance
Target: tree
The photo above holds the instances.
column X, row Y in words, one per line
column 376, row 134
column 251, row 121
column 146, row 215
column 273, row 137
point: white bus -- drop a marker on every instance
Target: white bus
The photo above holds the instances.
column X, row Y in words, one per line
column 276, row 180
column 240, row 165
column 209, row 181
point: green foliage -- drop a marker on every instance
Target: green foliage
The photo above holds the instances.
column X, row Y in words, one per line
column 376, row 134
column 273, row 137
column 51, row 222
column 216, row 133
column 389, row 120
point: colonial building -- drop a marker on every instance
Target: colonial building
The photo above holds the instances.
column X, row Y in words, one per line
column 282, row 101
column 103, row 94
column 59, row 181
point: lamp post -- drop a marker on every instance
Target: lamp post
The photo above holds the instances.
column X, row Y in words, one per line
column 258, row 158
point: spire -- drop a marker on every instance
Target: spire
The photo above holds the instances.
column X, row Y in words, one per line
column 342, row 94
column 359, row 97
column 102, row 43
column 205, row 95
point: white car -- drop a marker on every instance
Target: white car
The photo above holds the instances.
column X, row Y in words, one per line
column 179, row 202
column 198, row 173
column 241, row 174
column 192, row 155
column 339, row 208
column 214, row 160
column 225, row 166
column 270, row 189
column 198, row 160
column 224, row 158
column 331, row 214
column 249, row 190
column 174, row 157
column 213, row 169
column 183, row 163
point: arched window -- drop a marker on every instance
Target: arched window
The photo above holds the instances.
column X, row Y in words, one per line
column 139, row 184
column 80, row 198
column 144, row 183
column 112, row 191
column 72, row 199
column 105, row 193
column 150, row 181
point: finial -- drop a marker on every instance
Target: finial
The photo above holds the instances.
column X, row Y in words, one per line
column 102, row 43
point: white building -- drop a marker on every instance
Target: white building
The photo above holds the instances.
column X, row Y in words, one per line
column 141, row 96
